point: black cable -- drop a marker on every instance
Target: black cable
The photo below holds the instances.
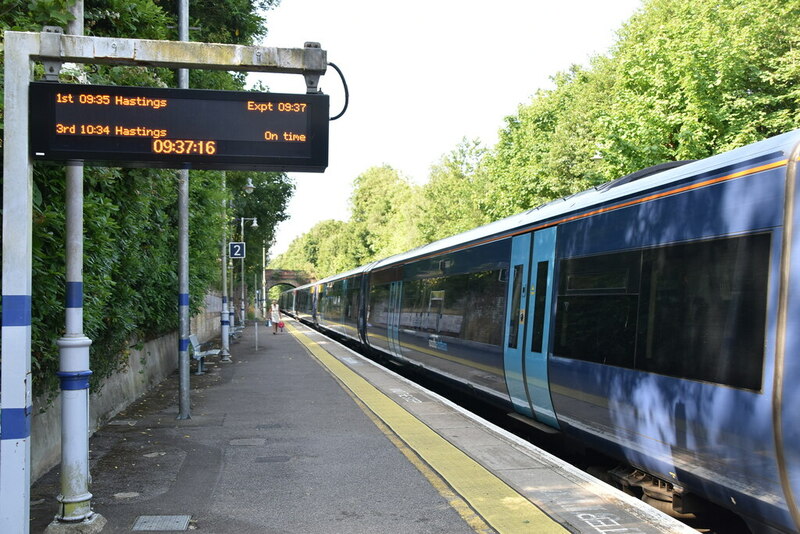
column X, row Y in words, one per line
column 346, row 92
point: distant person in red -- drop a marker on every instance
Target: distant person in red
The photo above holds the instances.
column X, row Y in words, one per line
column 275, row 317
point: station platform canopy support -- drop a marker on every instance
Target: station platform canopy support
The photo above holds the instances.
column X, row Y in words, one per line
column 21, row 50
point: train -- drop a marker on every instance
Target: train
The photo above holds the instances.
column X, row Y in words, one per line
column 654, row 318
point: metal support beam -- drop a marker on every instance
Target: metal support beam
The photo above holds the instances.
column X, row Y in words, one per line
column 176, row 54
column 75, row 501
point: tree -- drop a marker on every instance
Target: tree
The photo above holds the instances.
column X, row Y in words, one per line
column 330, row 247
column 384, row 211
column 685, row 80
column 696, row 78
column 547, row 150
column 452, row 198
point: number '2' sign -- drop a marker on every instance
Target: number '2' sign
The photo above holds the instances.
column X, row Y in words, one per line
column 236, row 250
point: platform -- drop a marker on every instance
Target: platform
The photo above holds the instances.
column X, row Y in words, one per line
column 305, row 436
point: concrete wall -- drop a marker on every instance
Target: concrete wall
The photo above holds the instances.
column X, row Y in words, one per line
column 145, row 368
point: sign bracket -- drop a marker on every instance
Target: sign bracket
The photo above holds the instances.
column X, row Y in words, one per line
column 51, row 46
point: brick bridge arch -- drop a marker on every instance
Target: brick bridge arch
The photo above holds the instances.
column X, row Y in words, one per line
column 276, row 277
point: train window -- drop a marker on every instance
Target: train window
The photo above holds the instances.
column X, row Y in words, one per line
column 378, row 310
column 597, row 328
column 351, row 301
column 703, row 310
column 513, row 319
column 463, row 306
column 484, row 308
column 540, row 299
column 611, row 273
column 596, row 310
column 694, row 310
column 444, row 301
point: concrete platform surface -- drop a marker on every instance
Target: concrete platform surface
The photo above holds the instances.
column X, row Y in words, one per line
column 305, row 436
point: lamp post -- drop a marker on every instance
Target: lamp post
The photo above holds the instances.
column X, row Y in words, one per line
column 263, row 281
column 227, row 314
column 253, row 225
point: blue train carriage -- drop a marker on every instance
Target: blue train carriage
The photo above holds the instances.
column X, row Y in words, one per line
column 652, row 319
column 442, row 309
column 649, row 318
column 286, row 301
column 339, row 304
column 670, row 331
column 299, row 303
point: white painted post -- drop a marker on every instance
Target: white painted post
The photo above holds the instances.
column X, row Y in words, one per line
column 75, row 501
column 15, row 417
column 225, row 353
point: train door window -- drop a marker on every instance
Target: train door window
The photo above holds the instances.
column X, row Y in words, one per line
column 540, row 299
column 516, row 296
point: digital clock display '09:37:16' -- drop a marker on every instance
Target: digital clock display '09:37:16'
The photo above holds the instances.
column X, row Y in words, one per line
column 184, row 147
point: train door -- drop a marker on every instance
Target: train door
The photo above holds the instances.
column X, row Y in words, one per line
column 363, row 302
column 540, row 298
column 393, row 321
column 515, row 323
column 527, row 329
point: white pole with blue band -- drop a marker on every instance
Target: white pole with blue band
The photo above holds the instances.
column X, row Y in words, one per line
column 15, row 385
column 75, row 501
column 225, row 324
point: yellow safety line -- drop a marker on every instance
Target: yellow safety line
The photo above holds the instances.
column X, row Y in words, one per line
column 439, row 484
column 503, row 508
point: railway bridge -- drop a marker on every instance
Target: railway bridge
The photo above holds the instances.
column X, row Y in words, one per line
column 276, row 277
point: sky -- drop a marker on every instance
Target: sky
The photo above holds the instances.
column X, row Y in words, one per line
column 423, row 75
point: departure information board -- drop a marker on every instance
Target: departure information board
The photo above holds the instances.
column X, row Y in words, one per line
column 179, row 128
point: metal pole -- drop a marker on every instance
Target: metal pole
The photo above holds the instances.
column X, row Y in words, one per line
column 15, row 443
column 75, row 500
column 184, row 402
column 263, row 281
column 241, row 304
column 224, row 353
column 232, row 307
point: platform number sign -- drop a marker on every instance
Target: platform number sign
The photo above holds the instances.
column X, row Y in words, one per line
column 236, row 250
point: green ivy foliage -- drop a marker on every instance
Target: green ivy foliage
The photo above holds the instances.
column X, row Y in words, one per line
column 131, row 215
